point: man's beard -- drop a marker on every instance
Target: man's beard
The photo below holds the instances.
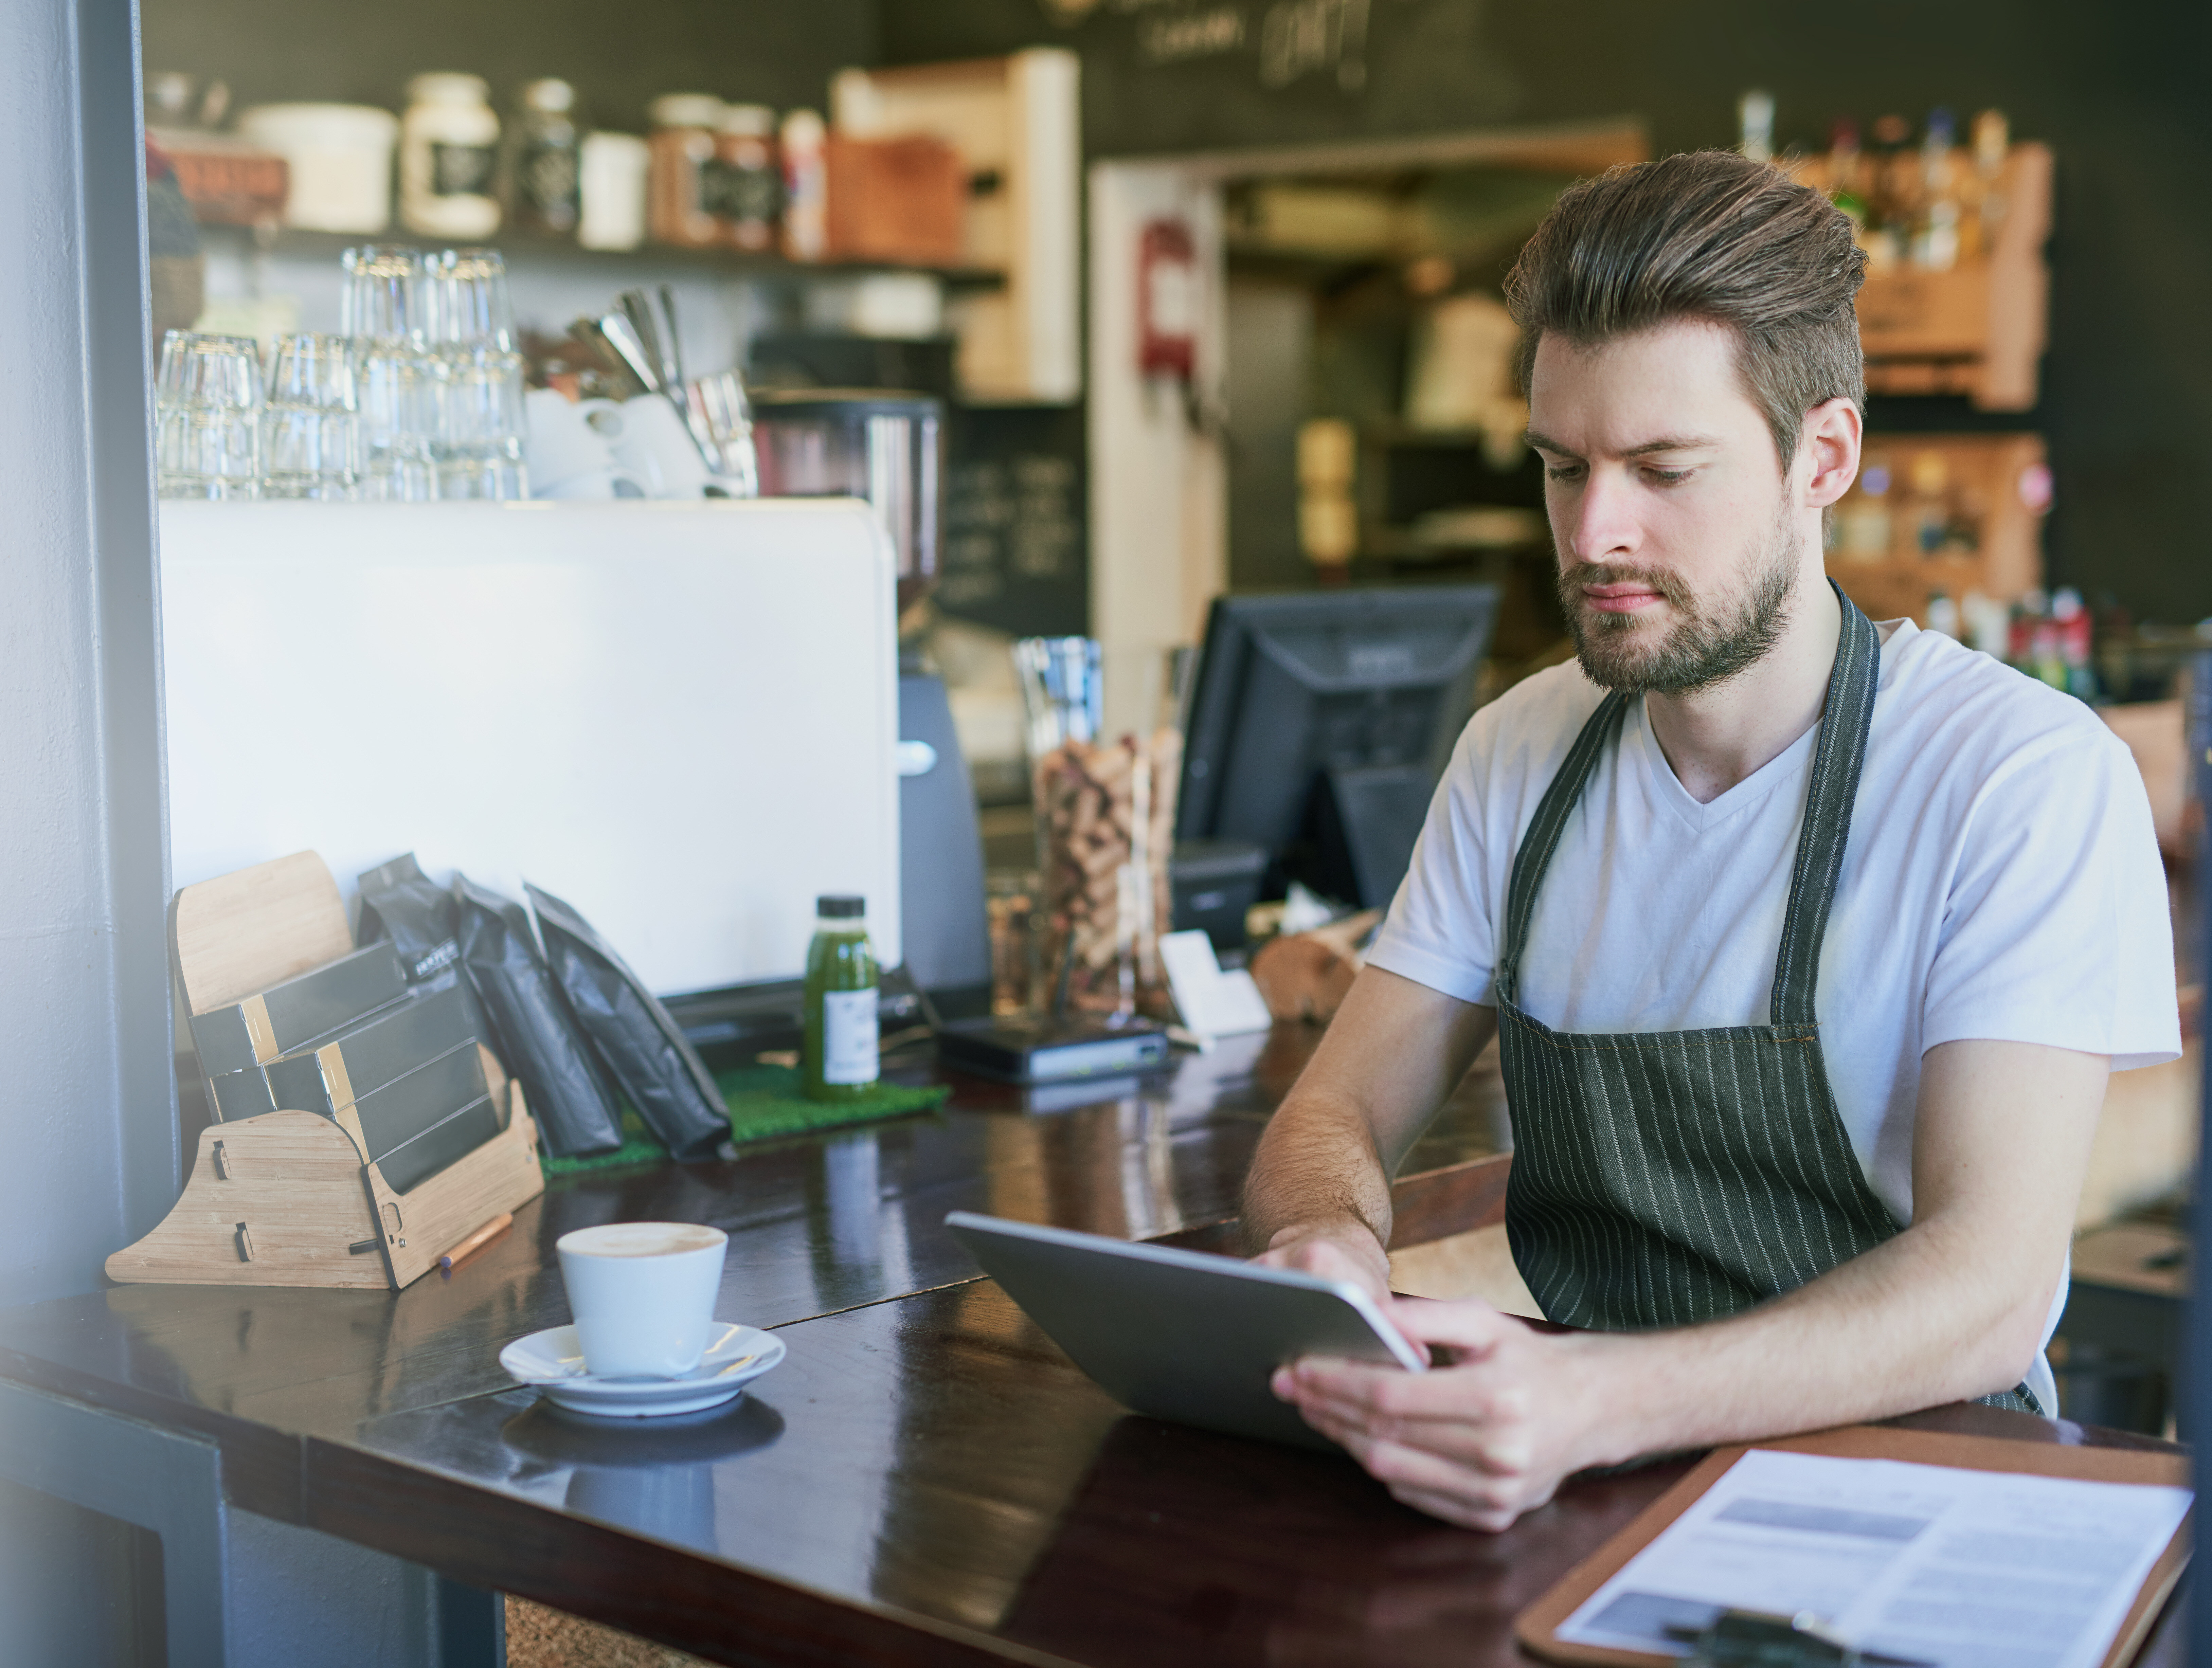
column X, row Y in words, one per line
column 1707, row 643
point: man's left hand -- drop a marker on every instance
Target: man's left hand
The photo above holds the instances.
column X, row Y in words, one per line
column 1485, row 1434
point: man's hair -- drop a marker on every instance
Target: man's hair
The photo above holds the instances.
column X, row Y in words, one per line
column 1707, row 234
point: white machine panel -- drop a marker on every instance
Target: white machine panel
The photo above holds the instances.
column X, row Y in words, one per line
column 681, row 718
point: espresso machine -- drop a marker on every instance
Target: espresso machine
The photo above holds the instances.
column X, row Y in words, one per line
column 888, row 448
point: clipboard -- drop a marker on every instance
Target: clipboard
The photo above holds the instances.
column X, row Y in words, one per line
column 1536, row 1628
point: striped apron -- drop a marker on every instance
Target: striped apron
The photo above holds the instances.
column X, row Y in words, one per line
column 1665, row 1178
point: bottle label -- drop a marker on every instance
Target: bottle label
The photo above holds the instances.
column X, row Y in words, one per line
column 460, row 170
column 738, row 193
column 848, row 1037
column 548, row 177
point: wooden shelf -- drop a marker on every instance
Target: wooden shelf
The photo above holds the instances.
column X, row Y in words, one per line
column 1994, row 486
column 1977, row 328
column 526, row 248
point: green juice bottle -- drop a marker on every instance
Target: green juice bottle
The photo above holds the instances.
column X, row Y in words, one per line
column 840, row 1061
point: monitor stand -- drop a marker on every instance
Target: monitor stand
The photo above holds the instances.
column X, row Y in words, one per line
column 1366, row 820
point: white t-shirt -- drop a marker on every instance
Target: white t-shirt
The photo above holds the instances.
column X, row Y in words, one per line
column 2001, row 881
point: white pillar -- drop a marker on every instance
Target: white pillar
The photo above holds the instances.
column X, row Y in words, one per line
column 1159, row 543
column 88, row 1146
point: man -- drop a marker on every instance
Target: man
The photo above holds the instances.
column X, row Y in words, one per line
column 1809, row 942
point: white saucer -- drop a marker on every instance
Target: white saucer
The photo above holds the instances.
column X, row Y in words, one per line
column 553, row 1361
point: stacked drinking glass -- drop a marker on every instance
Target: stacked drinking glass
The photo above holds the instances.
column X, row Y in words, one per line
column 480, row 424
column 310, row 425
column 207, row 417
column 395, row 377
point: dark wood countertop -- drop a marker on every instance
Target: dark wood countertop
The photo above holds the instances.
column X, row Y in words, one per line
column 817, row 1224
column 925, row 1478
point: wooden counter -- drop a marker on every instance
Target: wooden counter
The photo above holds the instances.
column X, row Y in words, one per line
column 925, row 1478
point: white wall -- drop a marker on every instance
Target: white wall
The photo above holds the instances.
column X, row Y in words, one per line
column 88, row 1120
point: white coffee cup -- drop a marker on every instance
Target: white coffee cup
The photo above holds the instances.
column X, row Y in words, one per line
column 642, row 1295
column 567, row 440
column 656, row 447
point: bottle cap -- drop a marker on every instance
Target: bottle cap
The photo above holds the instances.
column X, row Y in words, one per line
column 552, row 95
column 748, row 121
column 841, row 905
column 684, row 110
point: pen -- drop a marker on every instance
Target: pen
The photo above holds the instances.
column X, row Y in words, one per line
column 476, row 1241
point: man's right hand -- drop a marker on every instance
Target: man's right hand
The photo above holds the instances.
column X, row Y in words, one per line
column 1347, row 1253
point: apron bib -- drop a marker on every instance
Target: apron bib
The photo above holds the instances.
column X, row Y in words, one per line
column 1667, row 1178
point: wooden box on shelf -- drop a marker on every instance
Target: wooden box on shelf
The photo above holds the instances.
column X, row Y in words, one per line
column 1977, row 328
column 896, row 200
column 1950, row 512
column 1015, row 123
column 290, row 1198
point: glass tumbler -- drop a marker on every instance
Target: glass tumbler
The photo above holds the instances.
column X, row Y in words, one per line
column 207, row 417
column 311, row 421
column 480, row 424
column 395, row 373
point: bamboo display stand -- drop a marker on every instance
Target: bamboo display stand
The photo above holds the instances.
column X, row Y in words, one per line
column 291, row 1198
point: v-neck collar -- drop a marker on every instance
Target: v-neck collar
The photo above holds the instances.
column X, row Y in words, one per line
column 1791, row 765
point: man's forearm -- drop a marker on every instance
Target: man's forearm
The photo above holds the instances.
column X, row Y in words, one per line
column 1316, row 1168
column 1920, row 1319
column 1393, row 1051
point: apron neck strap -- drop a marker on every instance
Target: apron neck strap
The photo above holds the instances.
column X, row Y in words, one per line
column 1847, row 720
column 1542, row 838
column 1846, row 717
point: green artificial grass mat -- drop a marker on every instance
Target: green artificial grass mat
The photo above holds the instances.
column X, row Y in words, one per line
column 764, row 1101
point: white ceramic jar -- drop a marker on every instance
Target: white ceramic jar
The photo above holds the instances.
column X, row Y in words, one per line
column 613, row 168
column 338, row 157
column 449, row 158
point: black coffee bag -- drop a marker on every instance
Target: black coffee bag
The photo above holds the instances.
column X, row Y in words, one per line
column 644, row 1049
column 540, row 1043
column 398, row 901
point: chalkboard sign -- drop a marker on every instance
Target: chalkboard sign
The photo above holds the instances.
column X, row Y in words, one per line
column 1016, row 551
column 1200, row 75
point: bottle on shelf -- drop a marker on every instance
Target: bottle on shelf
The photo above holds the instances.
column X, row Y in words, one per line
column 1935, row 235
column 1983, row 184
column 840, row 1056
column 1889, row 200
column 747, row 192
column 1863, row 524
column 1755, row 126
column 684, row 126
column 540, row 180
column 1845, row 187
column 1930, row 483
column 805, row 149
column 448, row 156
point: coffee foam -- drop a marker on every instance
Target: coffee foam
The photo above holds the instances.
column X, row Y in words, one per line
column 640, row 1239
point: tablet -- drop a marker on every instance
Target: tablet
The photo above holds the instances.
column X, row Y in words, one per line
column 1178, row 1334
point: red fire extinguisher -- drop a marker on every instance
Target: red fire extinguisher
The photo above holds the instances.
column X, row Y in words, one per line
column 1167, row 301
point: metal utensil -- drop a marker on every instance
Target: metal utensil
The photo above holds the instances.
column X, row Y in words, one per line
column 619, row 334
column 637, row 308
column 672, row 343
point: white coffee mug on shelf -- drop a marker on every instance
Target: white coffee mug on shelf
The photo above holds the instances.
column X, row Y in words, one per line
column 642, row 1295
column 568, row 440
